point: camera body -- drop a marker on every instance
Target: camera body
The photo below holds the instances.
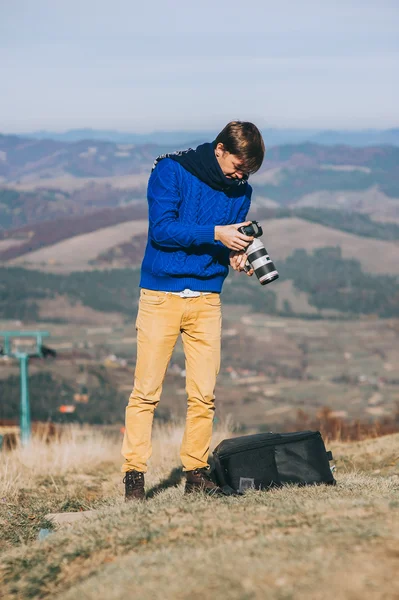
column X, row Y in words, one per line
column 253, row 230
column 258, row 257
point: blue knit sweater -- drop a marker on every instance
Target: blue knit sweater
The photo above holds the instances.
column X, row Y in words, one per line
column 182, row 211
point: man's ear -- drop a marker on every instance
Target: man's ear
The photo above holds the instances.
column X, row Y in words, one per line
column 220, row 148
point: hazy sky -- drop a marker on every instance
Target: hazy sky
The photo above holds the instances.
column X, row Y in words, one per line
column 172, row 64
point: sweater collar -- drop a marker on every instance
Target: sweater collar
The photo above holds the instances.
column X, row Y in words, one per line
column 203, row 163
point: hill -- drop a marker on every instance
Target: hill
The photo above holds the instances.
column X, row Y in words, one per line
column 307, row 537
column 78, row 251
column 23, row 240
column 22, row 209
column 45, row 179
column 281, row 237
column 27, row 160
column 23, row 159
column 372, row 202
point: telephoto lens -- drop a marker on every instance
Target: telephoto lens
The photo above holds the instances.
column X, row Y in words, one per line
column 258, row 258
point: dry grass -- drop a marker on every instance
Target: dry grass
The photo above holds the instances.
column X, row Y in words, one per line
column 78, row 450
column 379, row 456
column 375, row 256
column 334, row 427
column 318, row 542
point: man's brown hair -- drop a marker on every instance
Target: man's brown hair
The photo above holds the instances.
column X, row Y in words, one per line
column 244, row 140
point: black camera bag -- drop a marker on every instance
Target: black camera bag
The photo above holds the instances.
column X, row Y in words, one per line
column 267, row 460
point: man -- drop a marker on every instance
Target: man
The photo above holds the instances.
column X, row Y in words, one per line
column 197, row 200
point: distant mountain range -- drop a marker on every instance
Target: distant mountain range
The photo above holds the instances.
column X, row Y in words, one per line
column 273, row 137
column 28, row 159
column 69, row 206
column 44, row 180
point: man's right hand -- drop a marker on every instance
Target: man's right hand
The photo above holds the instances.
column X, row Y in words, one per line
column 231, row 237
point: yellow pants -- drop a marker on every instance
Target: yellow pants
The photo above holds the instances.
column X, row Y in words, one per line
column 161, row 317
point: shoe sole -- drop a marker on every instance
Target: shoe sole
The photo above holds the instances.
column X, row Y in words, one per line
column 134, row 498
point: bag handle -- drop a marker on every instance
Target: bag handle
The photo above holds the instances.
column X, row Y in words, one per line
column 221, row 478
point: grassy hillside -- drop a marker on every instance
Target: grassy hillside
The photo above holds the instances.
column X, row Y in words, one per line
column 21, row 290
column 48, row 233
column 331, row 282
column 78, row 251
column 288, row 543
column 371, row 202
column 24, row 209
column 295, row 183
column 342, row 220
column 282, row 236
column 31, row 241
column 356, row 236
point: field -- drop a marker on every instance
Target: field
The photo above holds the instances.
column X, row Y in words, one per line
column 272, row 367
column 321, row 542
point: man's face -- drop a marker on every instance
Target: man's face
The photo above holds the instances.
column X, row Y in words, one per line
column 229, row 163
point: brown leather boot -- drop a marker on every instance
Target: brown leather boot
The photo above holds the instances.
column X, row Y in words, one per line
column 199, row 480
column 134, row 485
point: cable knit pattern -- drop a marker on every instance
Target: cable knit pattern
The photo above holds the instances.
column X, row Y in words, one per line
column 182, row 211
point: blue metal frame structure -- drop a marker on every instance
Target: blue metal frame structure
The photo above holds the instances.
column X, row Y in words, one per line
column 23, row 357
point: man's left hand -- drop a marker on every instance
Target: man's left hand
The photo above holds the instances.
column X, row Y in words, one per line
column 238, row 260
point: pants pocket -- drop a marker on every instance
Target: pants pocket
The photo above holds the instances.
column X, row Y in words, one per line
column 152, row 298
column 212, row 299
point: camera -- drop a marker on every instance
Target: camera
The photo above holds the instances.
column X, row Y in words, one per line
column 258, row 258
